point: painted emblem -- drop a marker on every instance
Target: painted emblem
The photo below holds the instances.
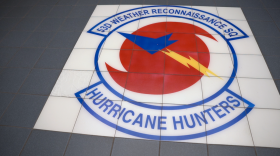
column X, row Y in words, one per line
column 173, row 78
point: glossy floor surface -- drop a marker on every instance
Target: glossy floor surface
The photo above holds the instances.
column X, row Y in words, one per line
column 46, row 56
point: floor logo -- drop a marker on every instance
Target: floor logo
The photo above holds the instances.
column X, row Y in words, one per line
column 175, row 74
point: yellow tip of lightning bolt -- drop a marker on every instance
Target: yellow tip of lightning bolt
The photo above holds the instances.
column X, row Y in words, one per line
column 192, row 62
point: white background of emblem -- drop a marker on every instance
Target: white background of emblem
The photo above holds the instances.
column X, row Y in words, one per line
column 262, row 92
column 136, row 127
column 186, row 131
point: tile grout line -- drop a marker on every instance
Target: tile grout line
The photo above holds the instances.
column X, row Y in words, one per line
column 235, row 70
column 162, row 86
column 241, row 93
column 111, row 150
column 25, row 142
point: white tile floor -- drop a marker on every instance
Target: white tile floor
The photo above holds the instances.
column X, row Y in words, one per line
column 253, row 82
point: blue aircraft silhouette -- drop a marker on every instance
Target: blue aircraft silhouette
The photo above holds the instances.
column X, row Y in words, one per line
column 151, row 45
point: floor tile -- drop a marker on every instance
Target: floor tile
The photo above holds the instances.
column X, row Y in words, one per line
column 179, row 2
column 81, row 59
column 247, row 46
column 9, row 3
column 60, row 11
column 109, row 11
column 64, row 40
column 15, row 38
column 74, row 24
column 6, row 99
column 264, row 28
column 28, row 24
column 261, row 92
column 231, row 13
column 86, row 2
column 53, row 58
column 122, row 8
column 263, row 151
column 40, row 81
column 39, row 39
column 88, row 124
column 19, row 11
column 92, row 21
column 144, row 83
column 127, row 147
column 175, row 148
column 12, row 140
column 203, row 2
column 48, row 2
column 24, row 111
column 50, row 24
column 139, row 123
column 81, row 11
column 243, row 25
column 176, row 27
column 89, row 145
column 26, row 57
column 27, row 3
column 218, row 46
column 46, row 143
column 256, row 14
column 171, row 66
column 277, row 83
column 9, row 23
column 274, row 13
column 155, row 2
column 273, row 65
column 11, row 79
column 251, row 3
column 64, row 114
column 115, row 40
column 39, row 11
column 138, row 65
column 227, row 3
column 269, row 45
column 4, row 11
column 212, row 10
column 118, row 83
column 272, row 4
column 179, row 89
column 221, row 65
column 239, row 134
column 87, row 40
column 211, row 85
column 219, row 150
column 70, row 82
column 109, row 2
column 6, row 55
column 130, row 27
column 3, row 34
column 248, row 69
column 261, row 122
column 148, row 21
column 131, row 2
column 278, row 23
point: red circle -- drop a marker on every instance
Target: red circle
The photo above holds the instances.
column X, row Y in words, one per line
column 158, row 73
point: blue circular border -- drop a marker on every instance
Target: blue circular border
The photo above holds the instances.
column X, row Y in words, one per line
column 235, row 65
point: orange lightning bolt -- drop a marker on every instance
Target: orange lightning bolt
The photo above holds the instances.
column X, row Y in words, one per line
column 192, row 62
